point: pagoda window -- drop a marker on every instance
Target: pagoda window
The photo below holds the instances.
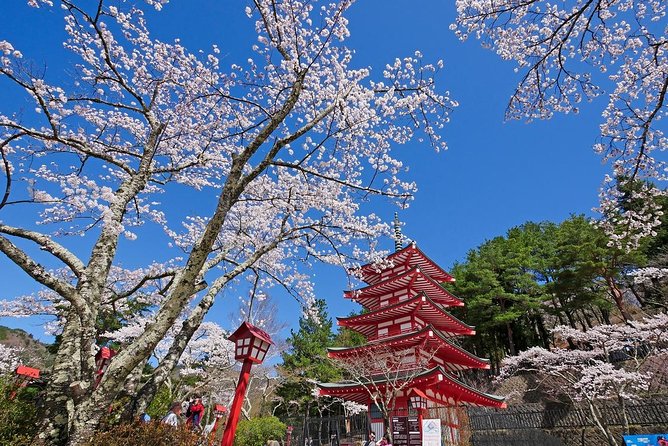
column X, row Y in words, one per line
column 406, row 327
column 382, row 332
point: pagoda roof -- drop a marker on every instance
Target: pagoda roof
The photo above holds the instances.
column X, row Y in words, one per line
column 421, row 305
column 457, row 358
column 410, row 255
column 435, row 384
column 414, row 279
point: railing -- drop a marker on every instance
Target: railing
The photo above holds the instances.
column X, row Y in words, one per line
column 392, row 334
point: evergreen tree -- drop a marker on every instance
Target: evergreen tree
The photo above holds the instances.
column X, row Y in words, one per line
column 306, row 361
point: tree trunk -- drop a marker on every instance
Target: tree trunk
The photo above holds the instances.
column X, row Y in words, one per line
column 542, row 331
column 167, row 365
column 625, row 417
column 605, row 314
column 600, row 423
column 511, row 343
column 58, row 404
column 618, row 297
column 130, row 390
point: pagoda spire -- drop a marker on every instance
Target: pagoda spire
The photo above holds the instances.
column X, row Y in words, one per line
column 398, row 237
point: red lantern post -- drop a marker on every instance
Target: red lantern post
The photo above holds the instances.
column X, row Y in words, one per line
column 251, row 346
column 219, row 411
column 289, row 435
column 419, row 402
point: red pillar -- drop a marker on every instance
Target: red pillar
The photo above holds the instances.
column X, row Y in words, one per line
column 421, row 414
column 235, row 410
column 289, row 435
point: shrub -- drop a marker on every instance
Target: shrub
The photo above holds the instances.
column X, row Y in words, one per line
column 257, row 431
column 144, row 434
column 18, row 417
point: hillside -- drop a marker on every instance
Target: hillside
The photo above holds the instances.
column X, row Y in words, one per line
column 33, row 352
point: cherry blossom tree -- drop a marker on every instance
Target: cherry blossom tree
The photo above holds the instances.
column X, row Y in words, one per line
column 280, row 150
column 573, row 51
column 607, row 365
column 9, row 359
column 386, row 373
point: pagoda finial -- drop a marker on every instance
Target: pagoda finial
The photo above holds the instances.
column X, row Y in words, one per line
column 398, row 237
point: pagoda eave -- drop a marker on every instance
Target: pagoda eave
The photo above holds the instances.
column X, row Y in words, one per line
column 427, row 336
column 413, row 279
column 410, row 255
column 420, row 305
column 434, row 384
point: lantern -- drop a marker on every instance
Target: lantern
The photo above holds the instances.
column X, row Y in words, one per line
column 250, row 346
column 24, row 376
column 250, row 343
column 288, row 431
column 219, row 410
column 102, row 360
column 418, row 402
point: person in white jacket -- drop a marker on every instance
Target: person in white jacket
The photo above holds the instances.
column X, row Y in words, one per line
column 172, row 417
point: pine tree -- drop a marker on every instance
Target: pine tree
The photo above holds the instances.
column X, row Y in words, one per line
column 306, row 361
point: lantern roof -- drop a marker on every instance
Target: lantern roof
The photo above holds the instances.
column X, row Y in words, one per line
column 245, row 328
column 27, row 371
column 410, row 256
column 413, row 279
column 434, row 384
column 419, row 305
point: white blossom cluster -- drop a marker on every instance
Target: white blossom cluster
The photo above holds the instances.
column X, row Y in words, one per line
column 586, row 373
column 573, row 51
column 647, row 275
column 225, row 174
column 9, row 359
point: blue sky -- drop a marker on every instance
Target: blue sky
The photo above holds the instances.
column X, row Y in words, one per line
column 494, row 176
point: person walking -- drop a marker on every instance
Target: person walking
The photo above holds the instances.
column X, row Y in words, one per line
column 172, row 417
column 195, row 413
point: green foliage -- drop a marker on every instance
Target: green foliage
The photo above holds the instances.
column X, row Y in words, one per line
column 18, row 416
column 145, row 434
column 347, row 337
column 537, row 275
column 160, row 404
column 306, row 360
column 257, row 431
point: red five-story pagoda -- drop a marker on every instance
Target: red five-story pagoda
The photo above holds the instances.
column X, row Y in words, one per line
column 409, row 359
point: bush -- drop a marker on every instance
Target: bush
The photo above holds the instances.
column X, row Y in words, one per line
column 145, row 434
column 257, row 431
column 18, row 417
